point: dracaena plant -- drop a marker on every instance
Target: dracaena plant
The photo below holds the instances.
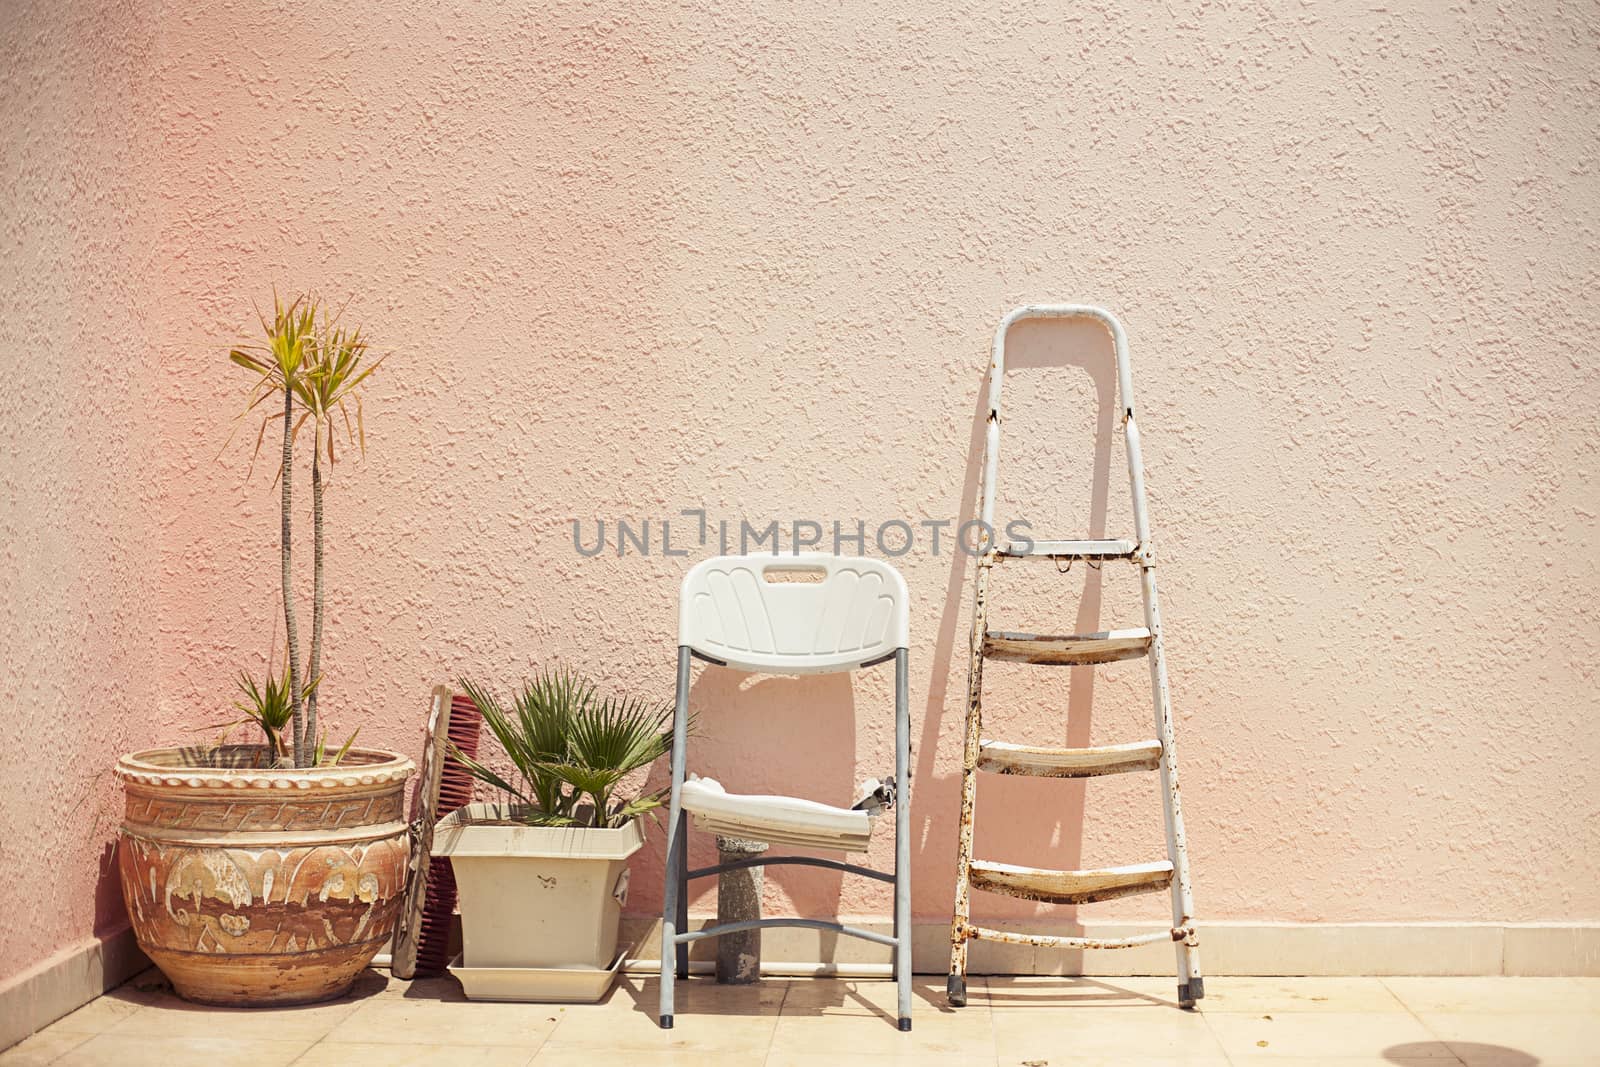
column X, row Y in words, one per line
column 310, row 359
column 571, row 748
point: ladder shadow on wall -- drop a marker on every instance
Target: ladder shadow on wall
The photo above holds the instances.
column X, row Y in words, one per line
column 1045, row 817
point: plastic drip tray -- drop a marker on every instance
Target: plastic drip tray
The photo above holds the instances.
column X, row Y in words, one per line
column 538, row 985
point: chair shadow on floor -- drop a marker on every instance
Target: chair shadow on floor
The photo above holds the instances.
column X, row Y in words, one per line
column 792, row 997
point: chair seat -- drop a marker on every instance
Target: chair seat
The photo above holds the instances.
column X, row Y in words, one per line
column 776, row 819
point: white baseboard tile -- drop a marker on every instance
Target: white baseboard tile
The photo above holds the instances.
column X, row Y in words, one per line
column 65, row 982
column 1553, row 949
column 1226, row 948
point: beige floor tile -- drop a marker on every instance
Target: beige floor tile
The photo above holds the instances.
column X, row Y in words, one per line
column 1222, row 994
column 708, row 1017
column 344, row 1054
column 416, row 1021
column 851, row 995
column 170, row 1017
column 1074, row 1060
column 586, row 1056
column 97, row 1016
column 1443, row 1059
column 1043, row 993
column 1119, row 1060
column 909, row 1057
column 1324, row 1035
column 102, row 1013
column 375, row 983
column 595, row 1030
column 841, row 1017
column 139, row 1050
column 444, row 987
column 873, row 1036
column 1137, row 1032
column 44, row 1047
column 1497, row 995
column 699, row 996
column 1266, row 996
column 1505, row 1039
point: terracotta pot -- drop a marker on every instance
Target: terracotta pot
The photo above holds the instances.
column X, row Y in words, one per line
column 256, row 885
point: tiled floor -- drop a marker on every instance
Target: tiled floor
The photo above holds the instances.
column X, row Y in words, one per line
column 1017, row 1022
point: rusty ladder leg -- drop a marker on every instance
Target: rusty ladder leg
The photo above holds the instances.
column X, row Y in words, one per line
column 1191, row 986
column 1160, row 753
column 956, row 984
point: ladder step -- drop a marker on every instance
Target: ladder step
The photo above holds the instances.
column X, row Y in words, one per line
column 1067, row 650
column 998, row 757
column 1070, row 887
column 1017, row 937
column 1069, row 550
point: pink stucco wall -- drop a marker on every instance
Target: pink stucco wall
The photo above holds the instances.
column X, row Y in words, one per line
column 747, row 258
column 79, row 435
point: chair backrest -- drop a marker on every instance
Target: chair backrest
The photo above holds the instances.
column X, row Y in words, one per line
column 805, row 614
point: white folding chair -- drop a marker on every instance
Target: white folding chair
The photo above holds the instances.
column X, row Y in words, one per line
column 806, row 614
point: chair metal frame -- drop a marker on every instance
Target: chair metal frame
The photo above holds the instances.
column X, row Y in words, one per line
column 696, row 643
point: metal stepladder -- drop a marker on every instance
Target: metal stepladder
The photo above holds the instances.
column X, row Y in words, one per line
column 983, row 754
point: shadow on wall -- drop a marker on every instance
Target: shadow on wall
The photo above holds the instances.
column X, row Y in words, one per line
column 773, row 734
column 1051, row 833
column 110, row 913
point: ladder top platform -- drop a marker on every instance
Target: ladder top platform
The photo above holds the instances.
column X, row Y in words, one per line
column 1092, row 549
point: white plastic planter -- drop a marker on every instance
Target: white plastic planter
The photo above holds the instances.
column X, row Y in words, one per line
column 540, row 906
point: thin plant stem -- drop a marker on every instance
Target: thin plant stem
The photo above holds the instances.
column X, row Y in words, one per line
column 291, row 632
column 314, row 671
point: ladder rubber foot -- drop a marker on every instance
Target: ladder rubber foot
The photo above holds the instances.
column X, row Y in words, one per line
column 1197, row 987
column 956, row 990
column 905, row 1026
column 666, row 1022
column 1185, row 1000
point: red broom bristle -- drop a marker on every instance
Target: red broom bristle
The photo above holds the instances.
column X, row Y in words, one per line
column 455, row 791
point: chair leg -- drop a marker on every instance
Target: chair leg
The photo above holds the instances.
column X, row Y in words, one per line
column 682, row 954
column 902, row 953
column 902, row 839
column 672, row 898
column 669, row 938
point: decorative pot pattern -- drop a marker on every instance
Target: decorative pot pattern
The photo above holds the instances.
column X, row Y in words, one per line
column 259, row 885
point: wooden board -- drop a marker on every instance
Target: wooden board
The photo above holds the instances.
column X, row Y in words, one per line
column 1067, row 650
column 424, row 811
column 998, row 757
column 1070, row 887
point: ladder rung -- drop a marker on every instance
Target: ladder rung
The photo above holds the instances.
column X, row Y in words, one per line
column 1067, row 650
column 1096, row 549
column 1015, row 937
column 1070, row 887
column 998, row 757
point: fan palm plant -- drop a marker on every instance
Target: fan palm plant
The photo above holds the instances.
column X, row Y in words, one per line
column 572, row 748
column 309, row 357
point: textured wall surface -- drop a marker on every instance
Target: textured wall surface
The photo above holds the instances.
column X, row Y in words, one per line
column 747, row 258
column 78, row 479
